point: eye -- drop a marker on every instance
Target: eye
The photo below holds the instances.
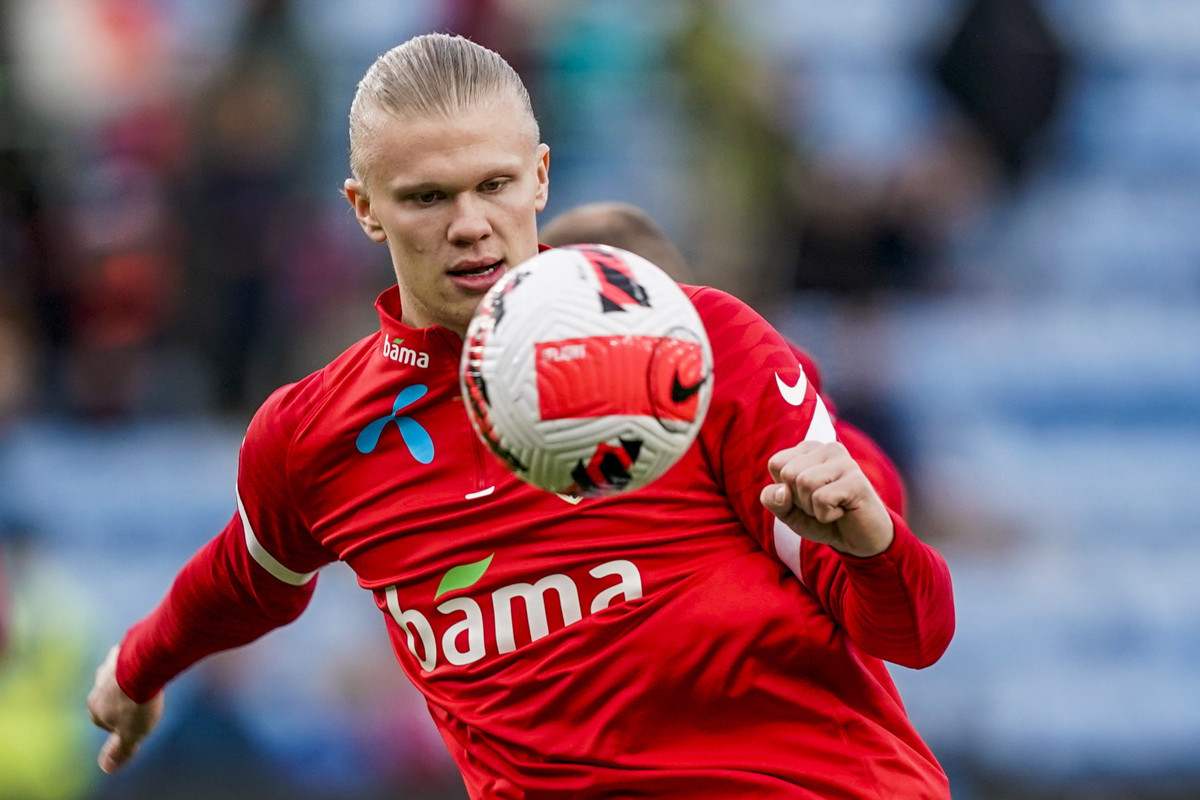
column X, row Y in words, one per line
column 492, row 186
column 426, row 198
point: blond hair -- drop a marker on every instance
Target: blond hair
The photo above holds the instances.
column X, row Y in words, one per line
column 435, row 74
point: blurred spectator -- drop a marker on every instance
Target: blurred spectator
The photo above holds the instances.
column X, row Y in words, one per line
column 124, row 292
column 501, row 25
column 1005, row 66
column 32, row 314
column 16, row 363
column 748, row 163
column 255, row 132
column 42, row 667
column 867, row 235
column 100, row 264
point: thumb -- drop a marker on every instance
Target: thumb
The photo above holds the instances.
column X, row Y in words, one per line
column 115, row 752
column 777, row 498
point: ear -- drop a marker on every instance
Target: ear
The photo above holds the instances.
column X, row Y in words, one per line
column 543, row 176
column 360, row 201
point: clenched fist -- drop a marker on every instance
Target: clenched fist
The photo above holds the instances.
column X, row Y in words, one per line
column 821, row 493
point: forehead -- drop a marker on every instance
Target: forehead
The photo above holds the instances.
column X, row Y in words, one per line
column 462, row 146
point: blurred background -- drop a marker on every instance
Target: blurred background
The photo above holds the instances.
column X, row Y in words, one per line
column 980, row 216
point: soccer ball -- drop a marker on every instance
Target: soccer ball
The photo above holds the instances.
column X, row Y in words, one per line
column 587, row 371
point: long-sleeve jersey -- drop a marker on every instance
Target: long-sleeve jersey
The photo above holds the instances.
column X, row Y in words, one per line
column 675, row 641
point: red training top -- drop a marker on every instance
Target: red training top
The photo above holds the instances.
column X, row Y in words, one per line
column 671, row 642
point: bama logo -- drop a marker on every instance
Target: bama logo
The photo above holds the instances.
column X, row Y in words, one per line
column 404, row 355
column 457, row 630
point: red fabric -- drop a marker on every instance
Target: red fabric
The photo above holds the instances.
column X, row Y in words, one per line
column 648, row 644
column 879, row 469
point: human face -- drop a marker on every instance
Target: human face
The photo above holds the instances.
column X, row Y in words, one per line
column 456, row 200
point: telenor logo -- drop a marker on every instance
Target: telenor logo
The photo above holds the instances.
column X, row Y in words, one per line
column 415, row 437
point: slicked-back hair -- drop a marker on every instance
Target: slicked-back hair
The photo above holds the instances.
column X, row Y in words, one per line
column 432, row 75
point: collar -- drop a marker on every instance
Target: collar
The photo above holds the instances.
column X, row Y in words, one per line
column 387, row 306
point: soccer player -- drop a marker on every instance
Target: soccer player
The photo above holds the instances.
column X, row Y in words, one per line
column 631, row 228
column 719, row 633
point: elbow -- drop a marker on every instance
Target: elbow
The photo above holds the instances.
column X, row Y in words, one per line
column 932, row 645
column 283, row 608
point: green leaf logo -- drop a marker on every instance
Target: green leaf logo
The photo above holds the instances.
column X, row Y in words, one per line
column 462, row 576
column 397, row 340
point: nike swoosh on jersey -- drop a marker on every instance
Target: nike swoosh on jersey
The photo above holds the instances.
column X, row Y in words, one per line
column 820, row 428
column 794, row 395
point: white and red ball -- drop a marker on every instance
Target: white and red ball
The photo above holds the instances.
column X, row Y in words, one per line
column 587, row 370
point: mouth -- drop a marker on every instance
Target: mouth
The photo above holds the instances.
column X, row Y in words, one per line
column 477, row 270
column 475, row 277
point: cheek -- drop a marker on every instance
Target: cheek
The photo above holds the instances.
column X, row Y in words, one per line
column 412, row 236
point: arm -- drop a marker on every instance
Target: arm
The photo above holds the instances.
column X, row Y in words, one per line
column 259, row 573
column 887, row 590
column 219, row 601
column 890, row 591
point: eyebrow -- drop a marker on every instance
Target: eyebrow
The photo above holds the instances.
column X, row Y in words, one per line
column 409, row 189
column 405, row 190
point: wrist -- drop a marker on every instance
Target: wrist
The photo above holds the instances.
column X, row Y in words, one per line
column 869, row 542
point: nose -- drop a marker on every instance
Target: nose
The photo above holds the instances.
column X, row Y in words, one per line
column 470, row 222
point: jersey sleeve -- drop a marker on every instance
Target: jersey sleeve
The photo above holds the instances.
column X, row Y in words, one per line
column 762, row 402
column 897, row 605
column 257, row 574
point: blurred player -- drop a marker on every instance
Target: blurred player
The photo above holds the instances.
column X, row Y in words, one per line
column 719, row 633
column 631, row 228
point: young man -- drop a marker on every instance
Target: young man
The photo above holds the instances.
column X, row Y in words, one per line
column 719, row 633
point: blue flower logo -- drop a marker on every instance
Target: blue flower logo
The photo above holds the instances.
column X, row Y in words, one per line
column 415, row 437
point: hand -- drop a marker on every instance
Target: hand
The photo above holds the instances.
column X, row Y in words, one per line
column 821, row 493
column 113, row 710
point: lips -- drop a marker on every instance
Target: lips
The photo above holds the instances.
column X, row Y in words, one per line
column 477, row 277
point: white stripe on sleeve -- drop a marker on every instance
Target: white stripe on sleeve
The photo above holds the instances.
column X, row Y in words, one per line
column 787, row 541
column 820, row 429
column 265, row 559
column 787, row 547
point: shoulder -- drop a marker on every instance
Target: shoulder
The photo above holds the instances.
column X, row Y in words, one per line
column 290, row 406
column 717, row 307
column 741, row 338
column 727, row 318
